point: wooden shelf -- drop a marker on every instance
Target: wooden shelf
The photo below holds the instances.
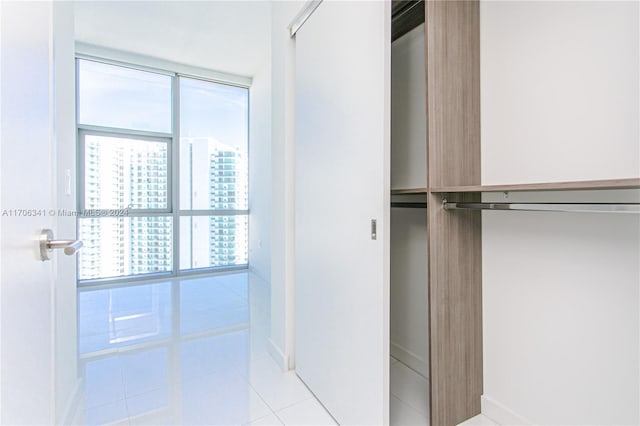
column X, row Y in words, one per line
column 633, row 183
column 408, row 191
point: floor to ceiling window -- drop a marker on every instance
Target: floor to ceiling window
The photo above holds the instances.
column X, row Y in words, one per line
column 163, row 172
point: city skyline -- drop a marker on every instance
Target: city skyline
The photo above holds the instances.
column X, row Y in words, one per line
column 122, row 172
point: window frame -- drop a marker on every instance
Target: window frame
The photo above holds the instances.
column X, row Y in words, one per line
column 173, row 169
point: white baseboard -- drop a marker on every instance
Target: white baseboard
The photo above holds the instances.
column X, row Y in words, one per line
column 74, row 404
column 279, row 357
column 501, row 414
column 410, row 359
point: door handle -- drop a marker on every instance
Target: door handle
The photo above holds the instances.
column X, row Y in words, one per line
column 47, row 244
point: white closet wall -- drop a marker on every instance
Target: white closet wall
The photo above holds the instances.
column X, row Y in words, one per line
column 560, row 94
column 409, row 303
column 408, row 111
column 561, row 297
column 409, row 313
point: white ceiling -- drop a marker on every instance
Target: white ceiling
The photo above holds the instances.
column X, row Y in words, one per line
column 228, row 36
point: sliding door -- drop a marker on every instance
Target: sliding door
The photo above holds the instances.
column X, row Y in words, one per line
column 342, row 208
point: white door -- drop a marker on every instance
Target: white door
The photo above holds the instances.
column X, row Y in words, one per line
column 35, row 296
column 342, row 184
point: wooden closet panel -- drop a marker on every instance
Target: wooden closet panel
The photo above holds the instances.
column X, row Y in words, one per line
column 455, row 246
column 453, row 92
column 455, row 308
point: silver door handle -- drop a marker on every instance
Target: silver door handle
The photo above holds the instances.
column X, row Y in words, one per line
column 47, row 244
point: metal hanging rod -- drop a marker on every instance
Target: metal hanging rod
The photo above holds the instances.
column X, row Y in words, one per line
column 406, row 205
column 633, row 208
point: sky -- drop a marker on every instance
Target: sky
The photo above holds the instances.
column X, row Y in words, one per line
column 125, row 98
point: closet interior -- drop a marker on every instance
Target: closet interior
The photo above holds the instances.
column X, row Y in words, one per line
column 436, row 299
column 436, row 203
column 409, row 345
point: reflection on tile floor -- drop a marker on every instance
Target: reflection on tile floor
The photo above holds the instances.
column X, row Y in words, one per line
column 189, row 352
column 194, row 352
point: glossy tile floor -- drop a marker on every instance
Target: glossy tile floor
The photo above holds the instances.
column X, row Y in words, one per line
column 408, row 402
column 194, row 352
column 409, row 396
column 191, row 352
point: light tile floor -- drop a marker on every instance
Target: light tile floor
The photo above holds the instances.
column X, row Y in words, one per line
column 479, row 420
column 408, row 404
column 191, row 352
column 409, row 399
column 194, row 352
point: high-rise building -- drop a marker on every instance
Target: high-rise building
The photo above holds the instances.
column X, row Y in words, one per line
column 120, row 174
column 150, row 236
column 214, row 177
column 228, row 190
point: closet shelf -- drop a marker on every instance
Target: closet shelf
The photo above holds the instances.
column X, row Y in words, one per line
column 409, row 191
column 633, row 183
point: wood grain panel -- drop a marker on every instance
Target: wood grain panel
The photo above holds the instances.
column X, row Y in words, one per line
column 455, row 246
column 455, row 306
column 453, row 92
column 409, row 191
column 547, row 186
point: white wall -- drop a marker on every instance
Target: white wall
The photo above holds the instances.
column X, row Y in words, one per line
column 560, row 290
column 409, row 299
column 283, row 170
column 408, row 111
column 560, row 311
column 559, row 91
column 409, row 271
column 260, row 173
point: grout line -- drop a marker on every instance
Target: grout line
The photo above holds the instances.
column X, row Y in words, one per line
column 296, row 403
column 317, row 400
column 405, row 406
column 104, row 404
column 420, row 377
column 265, row 403
column 413, row 370
column 87, row 409
column 258, row 419
column 279, row 419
